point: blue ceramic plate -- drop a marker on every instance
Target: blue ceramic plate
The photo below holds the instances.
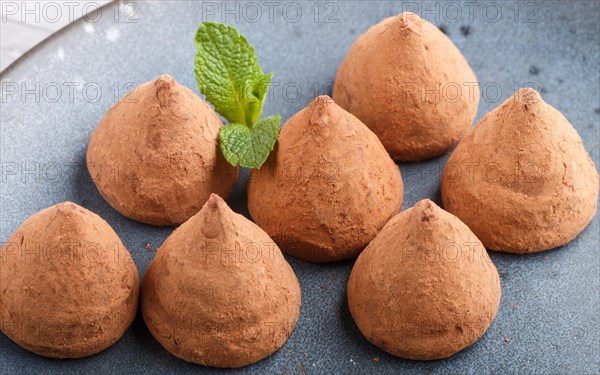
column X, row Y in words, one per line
column 53, row 97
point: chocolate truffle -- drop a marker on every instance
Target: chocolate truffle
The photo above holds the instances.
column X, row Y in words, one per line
column 155, row 155
column 219, row 292
column 327, row 188
column 410, row 85
column 521, row 179
column 69, row 288
column 425, row 287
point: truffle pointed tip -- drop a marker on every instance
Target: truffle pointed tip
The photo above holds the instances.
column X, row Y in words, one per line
column 214, row 201
column 527, row 96
column 164, row 78
column 164, row 81
column 214, row 216
column 408, row 19
column 320, row 108
column 66, row 204
column 164, row 85
column 426, row 210
column 408, row 14
column 67, row 207
column 322, row 100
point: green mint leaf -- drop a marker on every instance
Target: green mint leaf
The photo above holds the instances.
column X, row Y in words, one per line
column 249, row 147
column 228, row 73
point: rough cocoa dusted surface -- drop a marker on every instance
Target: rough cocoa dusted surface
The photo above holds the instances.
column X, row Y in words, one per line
column 410, row 85
column 521, row 179
column 155, row 157
column 425, row 287
column 219, row 292
column 328, row 187
column 68, row 286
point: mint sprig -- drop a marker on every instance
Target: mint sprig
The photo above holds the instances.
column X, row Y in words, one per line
column 230, row 77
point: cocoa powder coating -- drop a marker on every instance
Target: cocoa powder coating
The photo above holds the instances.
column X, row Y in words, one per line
column 521, row 179
column 425, row 287
column 410, row 85
column 327, row 188
column 68, row 286
column 219, row 292
column 155, row 155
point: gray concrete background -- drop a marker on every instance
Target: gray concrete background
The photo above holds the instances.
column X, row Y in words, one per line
column 549, row 319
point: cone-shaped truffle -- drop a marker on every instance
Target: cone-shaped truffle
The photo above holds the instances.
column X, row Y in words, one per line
column 328, row 187
column 155, row 155
column 219, row 292
column 69, row 288
column 521, row 179
column 410, row 85
column 424, row 288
